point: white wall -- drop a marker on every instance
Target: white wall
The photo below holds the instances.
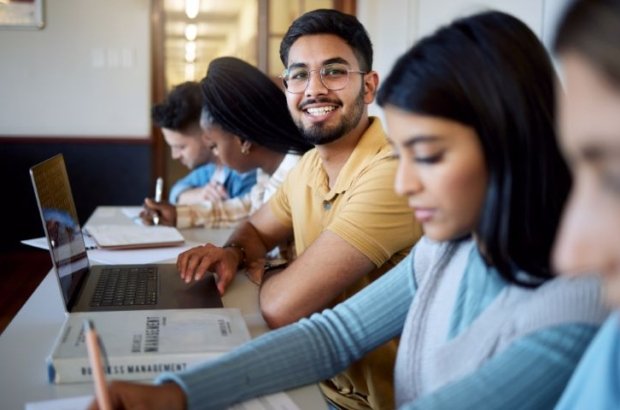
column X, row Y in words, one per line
column 394, row 25
column 87, row 73
column 391, row 27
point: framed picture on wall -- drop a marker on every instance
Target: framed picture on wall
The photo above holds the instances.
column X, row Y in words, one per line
column 21, row 14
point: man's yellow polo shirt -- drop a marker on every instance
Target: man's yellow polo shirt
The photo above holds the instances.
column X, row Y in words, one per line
column 362, row 209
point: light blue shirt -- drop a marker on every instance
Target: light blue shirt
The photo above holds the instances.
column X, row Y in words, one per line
column 596, row 382
column 534, row 370
column 235, row 184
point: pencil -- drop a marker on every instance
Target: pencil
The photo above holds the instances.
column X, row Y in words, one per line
column 94, row 356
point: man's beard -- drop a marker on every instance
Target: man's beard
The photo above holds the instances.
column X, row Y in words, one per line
column 319, row 134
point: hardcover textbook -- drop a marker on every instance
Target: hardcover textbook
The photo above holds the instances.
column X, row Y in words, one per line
column 140, row 344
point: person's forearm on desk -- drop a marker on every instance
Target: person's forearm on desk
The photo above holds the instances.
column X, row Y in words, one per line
column 213, row 192
column 288, row 357
column 312, row 282
column 190, row 196
column 221, row 214
column 305, row 352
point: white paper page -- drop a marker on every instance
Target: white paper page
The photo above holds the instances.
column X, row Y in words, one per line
column 41, row 243
column 278, row 401
column 138, row 256
column 133, row 213
column 128, row 235
column 71, row 403
column 119, row 257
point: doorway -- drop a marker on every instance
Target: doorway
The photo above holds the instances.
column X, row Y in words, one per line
column 187, row 34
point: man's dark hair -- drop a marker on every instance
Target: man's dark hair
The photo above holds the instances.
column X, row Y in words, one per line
column 181, row 108
column 327, row 21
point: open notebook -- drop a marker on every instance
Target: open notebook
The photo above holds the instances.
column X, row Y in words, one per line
column 134, row 236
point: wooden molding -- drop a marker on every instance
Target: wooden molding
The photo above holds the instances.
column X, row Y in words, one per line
column 158, row 83
column 346, row 6
column 66, row 139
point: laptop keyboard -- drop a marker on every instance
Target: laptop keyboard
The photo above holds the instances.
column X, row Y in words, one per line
column 126, row 287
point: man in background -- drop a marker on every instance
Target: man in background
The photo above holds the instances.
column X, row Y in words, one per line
column 179, row 118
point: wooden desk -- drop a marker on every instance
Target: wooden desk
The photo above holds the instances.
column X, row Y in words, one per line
column 27, row 340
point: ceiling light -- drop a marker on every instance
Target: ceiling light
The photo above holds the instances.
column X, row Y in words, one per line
column 190, row 51
column 190, row 72
column 191, row 8
column 191, row 32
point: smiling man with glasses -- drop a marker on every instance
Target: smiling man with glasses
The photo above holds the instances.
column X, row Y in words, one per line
column 338, row 203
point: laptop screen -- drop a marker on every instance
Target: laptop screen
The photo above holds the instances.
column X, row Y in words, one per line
column 61, row 225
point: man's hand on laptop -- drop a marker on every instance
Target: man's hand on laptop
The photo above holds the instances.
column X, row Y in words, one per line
column 194, row 264
column 167, row 213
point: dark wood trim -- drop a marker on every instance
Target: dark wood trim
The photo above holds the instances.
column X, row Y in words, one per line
column 262, row 37
column 98, row 139
column 158, row 83
column 346, row 6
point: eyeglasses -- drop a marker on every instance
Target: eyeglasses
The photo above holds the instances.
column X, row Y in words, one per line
column 333, row 76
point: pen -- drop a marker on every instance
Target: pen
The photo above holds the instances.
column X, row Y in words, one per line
column 159, row 188
column 219, row 176
column 94, row 357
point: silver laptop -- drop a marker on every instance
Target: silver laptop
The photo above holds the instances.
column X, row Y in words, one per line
column 104, row 287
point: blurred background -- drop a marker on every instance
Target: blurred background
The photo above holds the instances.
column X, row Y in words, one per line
column 79, row 77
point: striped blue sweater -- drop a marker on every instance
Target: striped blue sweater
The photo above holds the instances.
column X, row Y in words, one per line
column 500, row 346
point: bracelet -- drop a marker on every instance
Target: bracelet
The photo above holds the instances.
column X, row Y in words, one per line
column 241, row 249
